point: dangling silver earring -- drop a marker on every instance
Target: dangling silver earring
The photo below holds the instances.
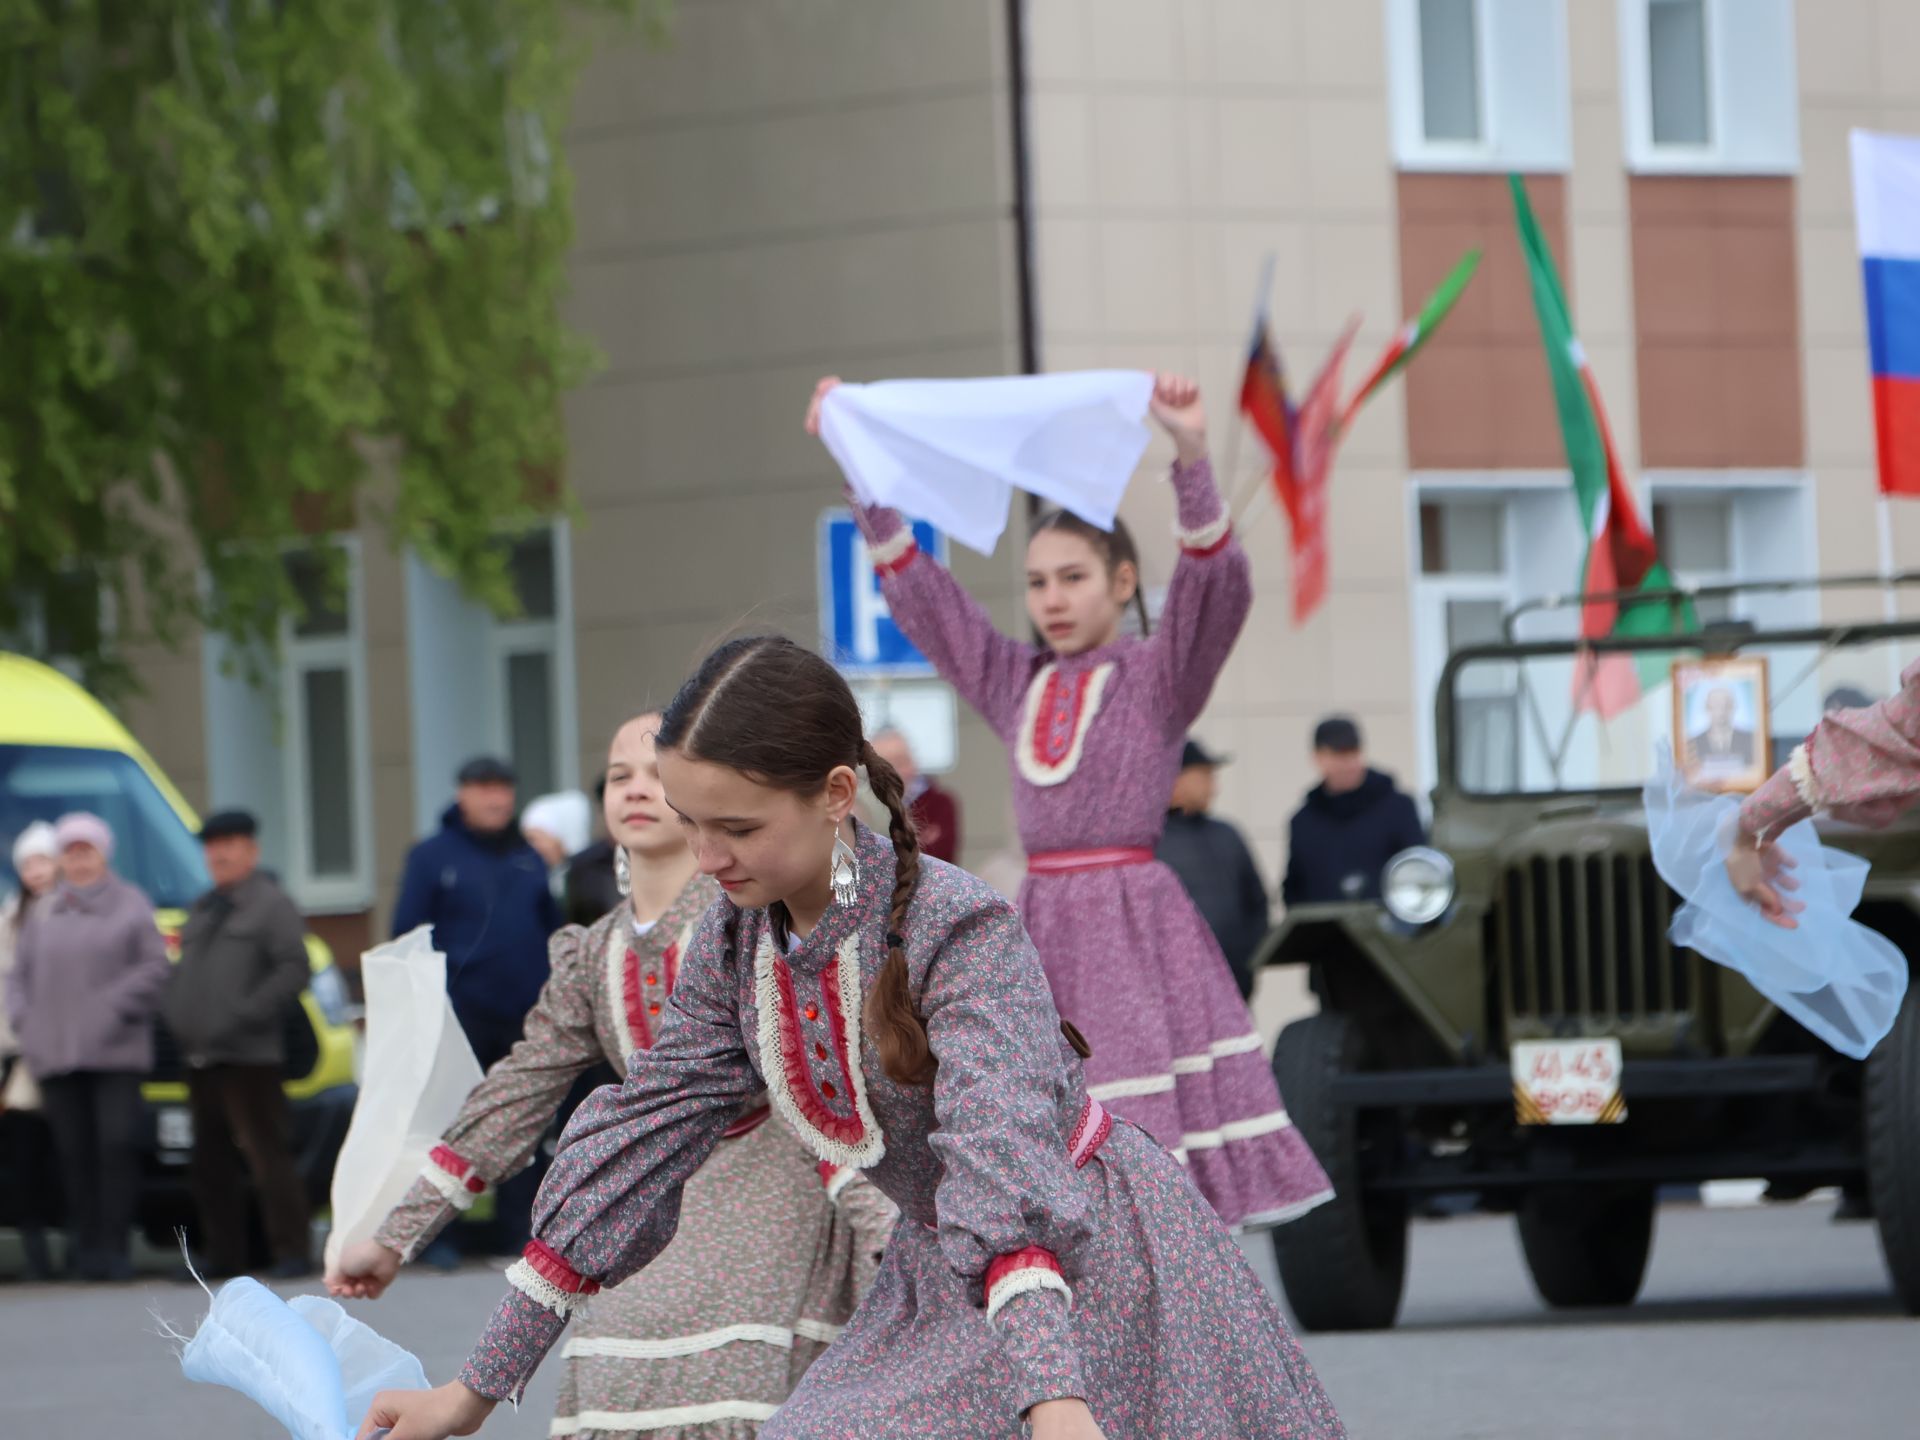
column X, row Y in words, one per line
column 845, row 874
column 622, row 871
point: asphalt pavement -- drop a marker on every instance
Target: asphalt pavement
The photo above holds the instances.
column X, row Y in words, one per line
column 1756, row 1324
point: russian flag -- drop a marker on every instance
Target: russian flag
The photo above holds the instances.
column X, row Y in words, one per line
column 1886, row 208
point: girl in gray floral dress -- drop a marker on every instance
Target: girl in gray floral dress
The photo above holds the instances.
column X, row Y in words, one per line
column 772, row 1250
column 1051, row 1264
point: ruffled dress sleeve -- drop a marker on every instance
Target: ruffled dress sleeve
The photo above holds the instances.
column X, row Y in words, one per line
column 1207, row 601
column 951, row 628
column 1860, row 764
column 611, row 1199
column 497, row 1131
column 1012, row 1210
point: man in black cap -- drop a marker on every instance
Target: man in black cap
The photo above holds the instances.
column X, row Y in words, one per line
column 243, row 964
column 484, row 890
column 1353, row 822
column 1213, row 862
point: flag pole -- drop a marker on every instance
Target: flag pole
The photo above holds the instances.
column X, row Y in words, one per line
column 1889, row 607
column 1243, row 493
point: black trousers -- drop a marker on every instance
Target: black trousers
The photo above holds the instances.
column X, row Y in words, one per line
column 240, row 1129
column 95, row 1115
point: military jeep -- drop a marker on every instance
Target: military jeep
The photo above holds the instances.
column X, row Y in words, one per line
column 1535, row 929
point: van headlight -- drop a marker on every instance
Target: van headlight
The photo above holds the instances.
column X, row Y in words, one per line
column 329, row 988
column 1417, row 886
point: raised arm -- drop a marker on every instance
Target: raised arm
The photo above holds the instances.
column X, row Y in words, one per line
column 1207, row 601
column 497, row 1131
column 611, row 1200
column 1013, row 1212
column 935, row 611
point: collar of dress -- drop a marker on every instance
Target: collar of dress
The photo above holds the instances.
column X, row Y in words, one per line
column 1061, row 704
column 821, row 983
column 641, row 969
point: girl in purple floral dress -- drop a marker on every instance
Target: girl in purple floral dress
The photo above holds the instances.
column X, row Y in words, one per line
column 774, row 1248
column 1094, row 722
column 1051, row 1262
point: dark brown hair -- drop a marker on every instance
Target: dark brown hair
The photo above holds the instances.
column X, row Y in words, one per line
column 782, row 716
column 1114, row 547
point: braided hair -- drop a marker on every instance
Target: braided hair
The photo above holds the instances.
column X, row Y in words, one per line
column 782, row 716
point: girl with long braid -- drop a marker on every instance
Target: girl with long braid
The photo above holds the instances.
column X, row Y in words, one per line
column 1051, row 1264
column 1094, row 721
column 773, row 1249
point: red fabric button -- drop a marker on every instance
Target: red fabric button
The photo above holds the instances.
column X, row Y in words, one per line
column 653, row 1008
column 475, row 1185
column 826, row 1089
column 813, row 1012
column 819, row 1050
column 652, row 979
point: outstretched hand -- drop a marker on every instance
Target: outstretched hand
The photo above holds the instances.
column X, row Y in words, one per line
column 363, row 1272
column 1176, row 405
column 425, row 1414
column 820, row 392
column 1759, row 875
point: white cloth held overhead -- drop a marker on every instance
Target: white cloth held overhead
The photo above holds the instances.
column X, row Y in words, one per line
column 419, row 1070
column 1841, row 980
column 567, row 815
column 306, row 1362
column 951, row 452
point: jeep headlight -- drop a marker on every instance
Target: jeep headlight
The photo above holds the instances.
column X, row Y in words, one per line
column 1417, row 886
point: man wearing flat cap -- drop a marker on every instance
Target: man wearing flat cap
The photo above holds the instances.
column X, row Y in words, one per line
column 243, row 964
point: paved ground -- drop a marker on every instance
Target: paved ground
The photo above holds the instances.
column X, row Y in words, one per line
column 1758, row 1324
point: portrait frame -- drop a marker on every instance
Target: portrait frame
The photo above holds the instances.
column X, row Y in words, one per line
column 1729, row 752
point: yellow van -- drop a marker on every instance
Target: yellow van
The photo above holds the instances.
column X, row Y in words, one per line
column 61, row 750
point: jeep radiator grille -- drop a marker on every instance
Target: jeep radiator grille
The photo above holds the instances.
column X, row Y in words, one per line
column 1587, row 936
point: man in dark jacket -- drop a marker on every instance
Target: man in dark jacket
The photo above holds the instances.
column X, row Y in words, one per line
column 484, row 890
column 1354, row 821
column 1213, row 862
column 243, row 964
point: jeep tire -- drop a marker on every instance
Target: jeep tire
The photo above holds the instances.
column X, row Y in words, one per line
column 1587, row 1245
column 1344, row 1263
column 1893, row 1149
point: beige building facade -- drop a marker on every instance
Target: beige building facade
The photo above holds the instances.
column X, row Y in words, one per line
column 882, row 188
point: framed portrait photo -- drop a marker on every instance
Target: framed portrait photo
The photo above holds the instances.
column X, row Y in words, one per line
column 1720, row 732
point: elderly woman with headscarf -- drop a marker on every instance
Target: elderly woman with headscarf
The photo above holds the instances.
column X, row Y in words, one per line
column 559, row 826
column 88, row 974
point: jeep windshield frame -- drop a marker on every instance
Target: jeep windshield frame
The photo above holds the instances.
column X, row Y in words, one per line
column 1719, row 640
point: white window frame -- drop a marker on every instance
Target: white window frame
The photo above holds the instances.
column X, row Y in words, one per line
column 1506, row 142
column 332, row 894
column 1659, row 485
column 1723, row 154
column 552, row 638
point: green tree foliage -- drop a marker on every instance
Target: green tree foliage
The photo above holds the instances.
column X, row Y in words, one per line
column 266, row 266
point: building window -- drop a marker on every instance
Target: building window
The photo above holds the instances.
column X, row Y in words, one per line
column 1709, row 86
column 502, row 685
column 1677, row 71
column 328, row 788
column 1449, row 71
column 65, row 623
column 1694, row 535
column 1479, row 85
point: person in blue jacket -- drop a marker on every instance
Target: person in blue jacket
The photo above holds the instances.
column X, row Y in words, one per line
column 484, row 890
column 1353, row 822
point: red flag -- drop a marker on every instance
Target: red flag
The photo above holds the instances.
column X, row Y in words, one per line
column 1318, row 437
column 1263, row 400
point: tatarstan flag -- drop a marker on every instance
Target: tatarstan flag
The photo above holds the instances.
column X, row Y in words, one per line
column 1620, row 550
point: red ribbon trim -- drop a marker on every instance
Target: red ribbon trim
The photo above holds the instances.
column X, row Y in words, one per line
column 899, row 562
column 548, row 1265
column 1031, row 1258
column 813, row 1107
column 1201, row 552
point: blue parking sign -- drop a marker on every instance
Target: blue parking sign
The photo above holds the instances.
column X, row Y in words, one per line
column 857, row 631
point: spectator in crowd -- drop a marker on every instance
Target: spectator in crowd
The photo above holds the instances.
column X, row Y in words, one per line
column 26, row 1145
column 88, row 972
column 936, row 814
column 558, row 826
column 1353, row 822
column 593, row 886
column 243, row 963
column 484, row 890
column 1213, row 862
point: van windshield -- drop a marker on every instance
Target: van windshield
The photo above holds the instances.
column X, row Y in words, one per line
column 152, row 847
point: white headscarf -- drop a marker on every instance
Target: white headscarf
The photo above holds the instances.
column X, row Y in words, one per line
column 36, row 839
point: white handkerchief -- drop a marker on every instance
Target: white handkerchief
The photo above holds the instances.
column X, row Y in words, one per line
column 952, row 452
